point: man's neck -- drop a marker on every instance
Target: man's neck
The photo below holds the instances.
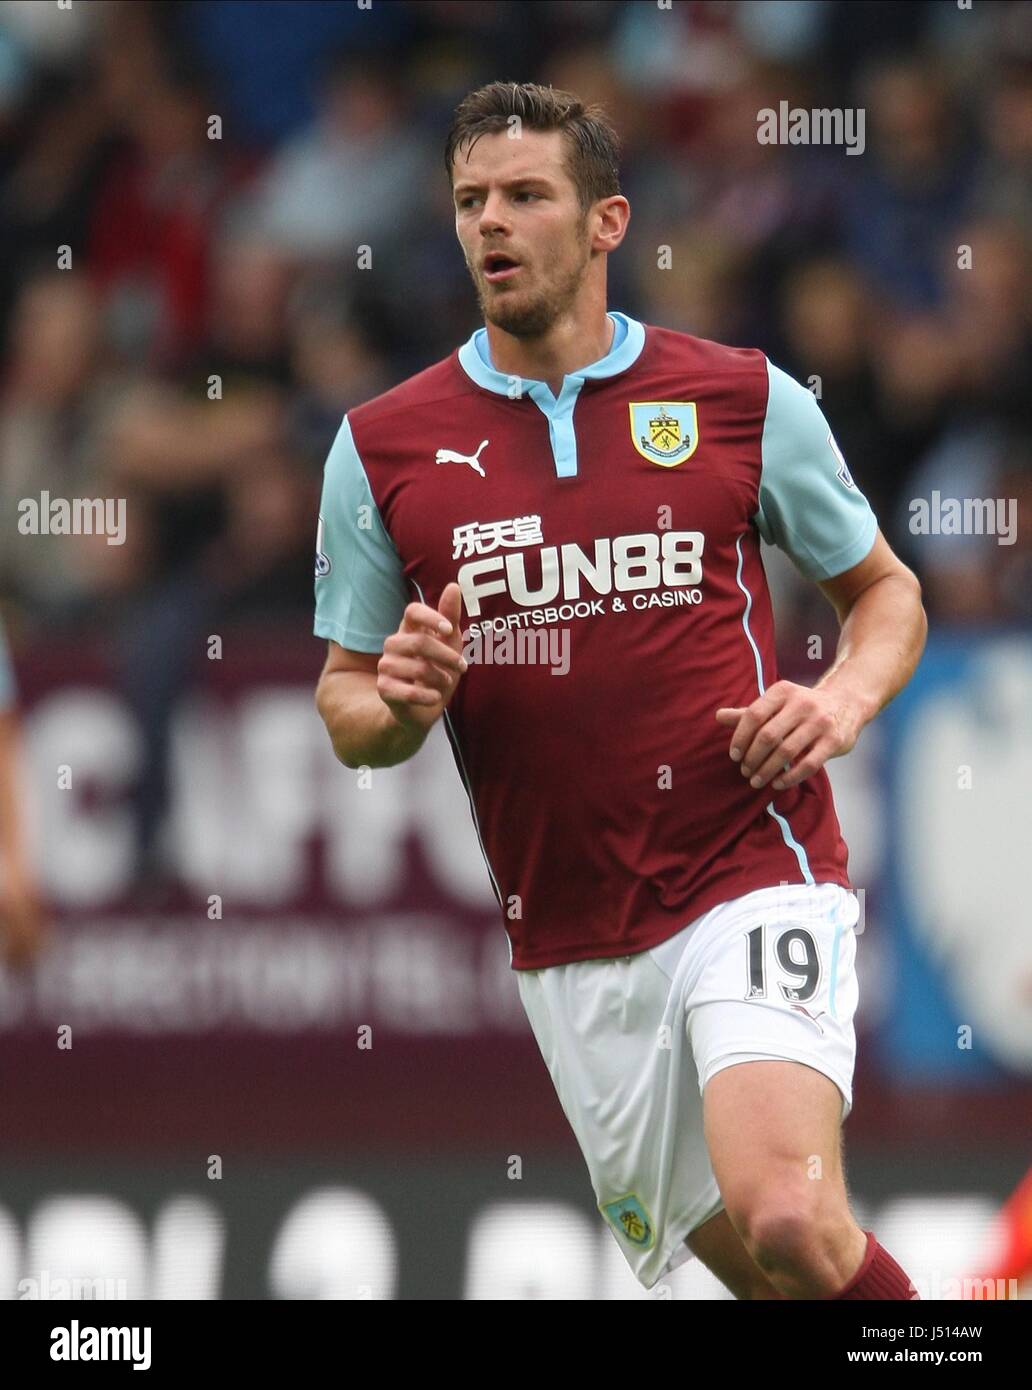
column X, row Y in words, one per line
column 566, row 348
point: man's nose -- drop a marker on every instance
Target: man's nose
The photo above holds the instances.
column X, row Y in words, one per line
column 493, row 213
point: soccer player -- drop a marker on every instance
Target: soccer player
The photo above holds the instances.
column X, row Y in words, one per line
column 22, row 929
column 657, row 822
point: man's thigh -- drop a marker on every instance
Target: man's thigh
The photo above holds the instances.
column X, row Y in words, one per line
column 775, row 1128
column 773, row 1132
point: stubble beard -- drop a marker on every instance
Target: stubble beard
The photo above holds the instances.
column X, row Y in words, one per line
column 533, row 316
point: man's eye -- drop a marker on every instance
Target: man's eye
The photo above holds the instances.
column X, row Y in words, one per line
column 526, row 193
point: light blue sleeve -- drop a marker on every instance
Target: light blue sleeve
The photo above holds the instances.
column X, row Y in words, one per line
column 7, row 688
column 810, row 507
column 360, row 590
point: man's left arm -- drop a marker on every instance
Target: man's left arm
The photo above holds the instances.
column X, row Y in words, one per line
column 883, row 630
column 812, row 509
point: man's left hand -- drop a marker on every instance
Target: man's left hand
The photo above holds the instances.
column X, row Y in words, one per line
column 790, row 732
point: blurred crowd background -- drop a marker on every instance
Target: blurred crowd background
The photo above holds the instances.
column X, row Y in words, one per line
column 237, row 256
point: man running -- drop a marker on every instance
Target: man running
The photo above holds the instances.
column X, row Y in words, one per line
column 657, row 822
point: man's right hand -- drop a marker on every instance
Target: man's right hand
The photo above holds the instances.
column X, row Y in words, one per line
column 422, row 663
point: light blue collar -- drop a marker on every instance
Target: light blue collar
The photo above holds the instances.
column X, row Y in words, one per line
column 628, row 341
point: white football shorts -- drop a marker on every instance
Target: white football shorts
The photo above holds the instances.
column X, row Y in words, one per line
column 631, row 1042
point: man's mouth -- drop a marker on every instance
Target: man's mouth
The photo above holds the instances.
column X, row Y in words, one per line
column 498, row 267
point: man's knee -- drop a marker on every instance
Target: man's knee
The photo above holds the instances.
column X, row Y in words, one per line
column 780, row 1231
column 788, row 1227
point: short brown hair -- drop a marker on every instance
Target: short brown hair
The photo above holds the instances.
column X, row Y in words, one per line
column 592, row 158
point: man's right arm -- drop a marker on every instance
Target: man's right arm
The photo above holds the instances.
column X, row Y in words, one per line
column 378, row 709
column 392, row 665
column 362, row 729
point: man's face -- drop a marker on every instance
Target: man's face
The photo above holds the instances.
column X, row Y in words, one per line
column 522, row 232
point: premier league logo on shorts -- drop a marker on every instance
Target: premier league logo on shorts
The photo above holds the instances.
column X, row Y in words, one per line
column 629, row 1218
column 664, row 432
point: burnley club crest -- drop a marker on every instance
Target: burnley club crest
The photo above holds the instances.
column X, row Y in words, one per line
column 664, row 432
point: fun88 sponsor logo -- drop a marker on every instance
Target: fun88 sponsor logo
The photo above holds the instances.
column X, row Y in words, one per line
column 646, row 560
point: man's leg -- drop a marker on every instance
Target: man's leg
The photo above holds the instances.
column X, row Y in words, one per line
column 773, row 1130
column 719, row 1246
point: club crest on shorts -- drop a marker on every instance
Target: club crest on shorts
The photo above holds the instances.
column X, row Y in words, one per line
column 629, row 1219
column 664, row 432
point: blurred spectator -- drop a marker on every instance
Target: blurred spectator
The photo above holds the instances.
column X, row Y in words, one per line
column 354, row 174
column 916, row 179
column 828, row 312
column 1003, row 186
column 245, row 326
column 974, row 577
column 334, row 362
column 262, row 54
column 55, row 397
column 988, row 315
column 148, row 241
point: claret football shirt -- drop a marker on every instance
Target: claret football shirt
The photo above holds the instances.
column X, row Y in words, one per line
column 607, row 543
